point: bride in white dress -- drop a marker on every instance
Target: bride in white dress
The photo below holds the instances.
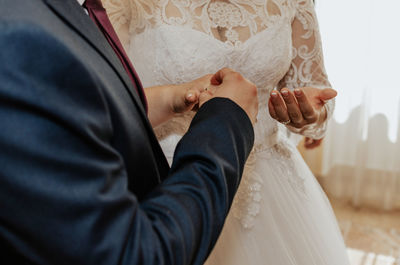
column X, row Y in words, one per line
column 280, row 215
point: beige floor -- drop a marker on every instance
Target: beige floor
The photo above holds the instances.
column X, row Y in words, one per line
column 372, row 237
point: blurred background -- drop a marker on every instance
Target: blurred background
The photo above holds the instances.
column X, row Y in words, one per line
column 358, row 162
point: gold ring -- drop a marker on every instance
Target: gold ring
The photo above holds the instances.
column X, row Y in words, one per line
column 286, row 122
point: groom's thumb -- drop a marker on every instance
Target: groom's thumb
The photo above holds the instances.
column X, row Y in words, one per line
column 327, row 94
column 204, row 97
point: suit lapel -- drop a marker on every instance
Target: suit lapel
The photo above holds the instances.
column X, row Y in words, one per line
column 74, row 15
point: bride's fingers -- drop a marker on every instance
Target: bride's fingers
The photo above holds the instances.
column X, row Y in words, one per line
column 191, row 97
column 327, row 94
column 312, row 143
column 207, row 78
column 306, row 108
column 200, row 86
column 272, row 110
column 205, row 82
column 293, row 109
column 279, row 107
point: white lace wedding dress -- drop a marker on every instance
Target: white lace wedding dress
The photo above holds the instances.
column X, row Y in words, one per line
column 280, row 215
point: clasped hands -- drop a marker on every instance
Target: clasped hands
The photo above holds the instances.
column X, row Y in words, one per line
column 166, row 101
column 225, row 83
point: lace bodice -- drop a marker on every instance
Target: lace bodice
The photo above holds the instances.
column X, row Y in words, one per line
column 273, row 43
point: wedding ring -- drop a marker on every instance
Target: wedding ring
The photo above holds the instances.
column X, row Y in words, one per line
column 286, row 122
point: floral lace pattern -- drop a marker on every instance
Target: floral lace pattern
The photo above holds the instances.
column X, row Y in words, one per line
column 248, row 199
column 219, row 19
column 246, row 205
column 274, row 43
column 227, row 16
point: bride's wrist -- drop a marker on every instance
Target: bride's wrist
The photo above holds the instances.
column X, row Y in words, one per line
column 323, row 115
column 172, row 96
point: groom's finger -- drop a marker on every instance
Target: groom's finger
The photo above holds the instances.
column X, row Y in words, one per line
column 204, row 97
column 219, row 76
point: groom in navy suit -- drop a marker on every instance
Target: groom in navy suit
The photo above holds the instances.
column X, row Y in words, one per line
column 83, row 179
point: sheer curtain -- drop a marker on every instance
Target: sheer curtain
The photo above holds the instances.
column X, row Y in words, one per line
column 360, row 157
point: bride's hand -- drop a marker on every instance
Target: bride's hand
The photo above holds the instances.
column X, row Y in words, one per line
column 300, row 108
column 164, row 102
column 186, row 96
column 310, row 143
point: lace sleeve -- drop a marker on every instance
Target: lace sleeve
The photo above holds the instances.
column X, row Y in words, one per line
column 307, row 67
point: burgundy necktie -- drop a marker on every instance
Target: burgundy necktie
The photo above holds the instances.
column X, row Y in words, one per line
column 98, row 14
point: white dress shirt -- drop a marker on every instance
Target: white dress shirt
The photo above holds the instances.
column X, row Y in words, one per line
column 81, row 3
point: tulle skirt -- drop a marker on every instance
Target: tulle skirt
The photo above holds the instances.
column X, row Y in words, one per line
column 280, row 216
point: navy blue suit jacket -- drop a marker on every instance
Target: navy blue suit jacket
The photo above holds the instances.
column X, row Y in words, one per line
column 83, row 179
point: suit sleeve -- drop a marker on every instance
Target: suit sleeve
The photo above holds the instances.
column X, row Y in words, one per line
column 63, row 187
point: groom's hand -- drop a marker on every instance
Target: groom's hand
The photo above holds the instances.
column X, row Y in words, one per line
column 227, row 83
